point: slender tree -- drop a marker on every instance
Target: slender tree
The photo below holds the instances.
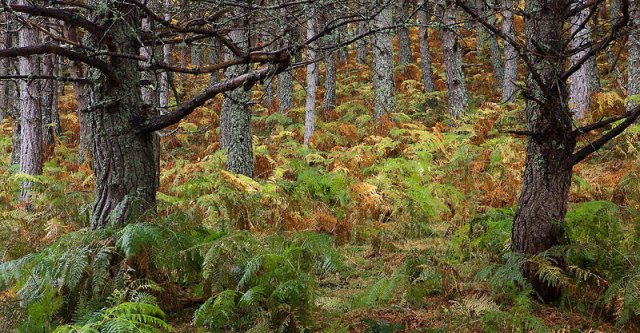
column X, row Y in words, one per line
column 634, row 57
column 312, row 82
column 31, row 139
column 361, row 47
column 509, row 87
column 584, row 81
column 458, row 103
column 424, row 19
column 405, row 56
column 383, row 81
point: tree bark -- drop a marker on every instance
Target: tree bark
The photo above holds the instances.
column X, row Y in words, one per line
column 50, row 118
column 382, row 49
column 163, row 84
column 424, row 19
column 509, row 87
column 542, row 204
column 285, row 79
column 634, row 56
column 405, row 55
column 235, row 116
column 361, row 44
column 124, row 161
column 312, row 82
column 329, row 98
column 31, row 149
column 495, row 52
column 582, row 82
column 458, row 103
column 76, row 70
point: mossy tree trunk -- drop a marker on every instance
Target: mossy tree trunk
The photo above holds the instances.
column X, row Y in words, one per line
column 382, row 49
column 124, row 160
column 424, row 19
column 458, row 103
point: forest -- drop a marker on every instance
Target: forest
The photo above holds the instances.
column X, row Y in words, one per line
column 369, row 166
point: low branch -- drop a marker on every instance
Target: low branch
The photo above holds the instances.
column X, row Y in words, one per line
column 246, row 81
column 44, row 77
column 592, row 127
column 27, row 51
column 583, row 153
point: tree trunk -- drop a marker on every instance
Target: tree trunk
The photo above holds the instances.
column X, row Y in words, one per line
column 124, row 161
column 163, row 84
column 5, row 42
column 361, row 44
column 405, row 55
column 424, row 19
column 480, row 29
column 31, row 149
column 329, row 99
column 510, row 55
column 76, row 70
column 50, row 119
column 312, row 82
column 235, row 116
column 382, row 49
column 634, row 56
column 495, row 52
column 582, row 81
column 547, row 177
column 458, row 104
column 269, row 89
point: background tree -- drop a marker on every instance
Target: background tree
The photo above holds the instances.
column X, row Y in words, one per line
column 424, row 19
column 458, row 102
column 382, row 49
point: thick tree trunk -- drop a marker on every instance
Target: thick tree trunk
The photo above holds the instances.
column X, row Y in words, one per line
column 458, row 103
column 424, row 19
column 31, row 148
column 481, row 32
column 361, row 44
column 634, row 56
column 404, row 43
column 510, row 54
column 235, row 116
column 547, row 177
column 124, row 161
column 582, row 81
column 285, row 79
column 312, row 83
column 382, row 49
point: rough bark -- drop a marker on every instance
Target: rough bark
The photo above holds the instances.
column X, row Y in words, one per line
column 582, row 82
column 405, row 56
column 510, row 54
column 235, row 116
column 214, row 58
column 163, row 80
column 285, row 79
column 458, row 104
column 124, row 163
column 424, row 19
column 382, row 49
column 312, row 83
column 329, row 98
column 634, row 56
column 547, row 176
column 361, row 44
column 495, row 52
column 269, row 88
column 31, row 148
column 5, row 42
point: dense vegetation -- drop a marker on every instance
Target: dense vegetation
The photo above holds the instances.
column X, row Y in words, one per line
column 401, row 224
